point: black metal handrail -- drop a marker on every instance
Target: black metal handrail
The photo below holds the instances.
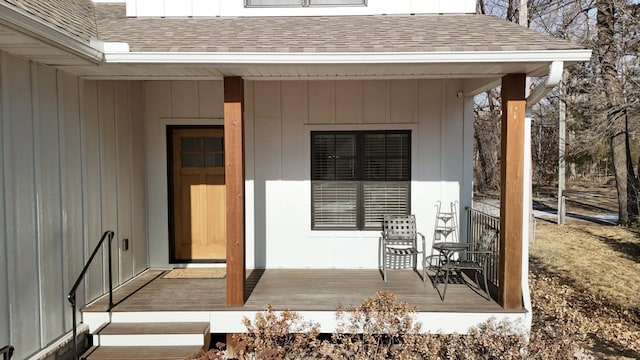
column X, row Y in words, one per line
column 7, row 352
column 478, row 220
column 109, row 234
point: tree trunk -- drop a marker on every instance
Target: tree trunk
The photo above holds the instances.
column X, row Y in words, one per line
column 632, row 180
column 482, row 182
column 511, row 11
column 523, row 14
column 616, row 114
column 481, row 7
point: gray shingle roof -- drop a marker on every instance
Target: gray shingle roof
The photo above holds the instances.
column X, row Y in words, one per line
column 72, row 17
column 381, row 33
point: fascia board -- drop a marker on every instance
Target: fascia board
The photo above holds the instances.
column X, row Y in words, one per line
column 569, row 56
column 42, row 31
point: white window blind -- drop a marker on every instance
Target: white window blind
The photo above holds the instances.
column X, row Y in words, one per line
column 384, row 198
column 334, row 204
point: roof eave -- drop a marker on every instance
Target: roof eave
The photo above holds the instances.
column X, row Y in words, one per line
column 41, row 31
column 438, row 57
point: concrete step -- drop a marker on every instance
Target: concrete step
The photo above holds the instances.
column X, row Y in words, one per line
column 140, row 352
column 153, row 334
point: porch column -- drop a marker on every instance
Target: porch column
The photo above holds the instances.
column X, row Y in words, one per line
column 512, row 197
column 234, row 181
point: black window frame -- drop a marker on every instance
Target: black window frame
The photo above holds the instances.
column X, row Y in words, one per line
column 359, row 179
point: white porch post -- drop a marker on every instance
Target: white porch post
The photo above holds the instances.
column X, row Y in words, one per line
column 527, row 220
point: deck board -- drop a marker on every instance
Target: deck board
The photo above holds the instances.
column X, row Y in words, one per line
column 159, row 328
column 140, row 352
column 300, row 290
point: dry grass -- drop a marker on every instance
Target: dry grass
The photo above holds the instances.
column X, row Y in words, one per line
column 585, row 281
column 604, row 260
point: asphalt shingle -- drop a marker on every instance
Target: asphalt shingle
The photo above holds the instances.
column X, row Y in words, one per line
column 379, row 33
column 72, row 17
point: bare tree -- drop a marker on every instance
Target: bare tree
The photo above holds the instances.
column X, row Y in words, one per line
column 616, row 111
column 602, row 96
column 487, row 141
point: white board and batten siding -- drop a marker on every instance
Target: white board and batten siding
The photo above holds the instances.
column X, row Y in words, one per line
column 170, row 8
column 282, row 116
column 279, row 118
column 57, row 194
column 169, row 103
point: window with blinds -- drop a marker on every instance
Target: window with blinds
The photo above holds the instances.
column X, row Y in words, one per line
column 357, row 177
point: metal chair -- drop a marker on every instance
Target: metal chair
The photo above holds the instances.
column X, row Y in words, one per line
column 399, row 245
column 475, row 260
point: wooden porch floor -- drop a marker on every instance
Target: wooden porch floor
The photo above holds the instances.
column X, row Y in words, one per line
column 300, row 290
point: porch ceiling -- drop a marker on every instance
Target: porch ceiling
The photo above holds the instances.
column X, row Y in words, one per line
column 157, row 71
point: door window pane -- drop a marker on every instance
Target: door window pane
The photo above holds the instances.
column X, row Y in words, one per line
column 191, row 160
column 191, row 144
column 213, row 160
column 213, row 144
column 202, row 151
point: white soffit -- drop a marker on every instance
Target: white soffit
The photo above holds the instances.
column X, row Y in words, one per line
column 291, row 66
column 480, row 73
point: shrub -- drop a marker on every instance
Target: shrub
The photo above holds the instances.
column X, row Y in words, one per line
column 490, row 340
column 384, row 328
column 278, row 336
column 214, row 354
column 380, row 328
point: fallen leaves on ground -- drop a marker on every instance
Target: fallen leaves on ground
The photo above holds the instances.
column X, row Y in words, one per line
column 585, row 283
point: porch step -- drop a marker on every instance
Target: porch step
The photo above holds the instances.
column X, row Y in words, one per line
column 153, row 334
column 140, row 352
column 141, row 340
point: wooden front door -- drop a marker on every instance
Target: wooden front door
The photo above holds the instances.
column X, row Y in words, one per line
column 198, row 194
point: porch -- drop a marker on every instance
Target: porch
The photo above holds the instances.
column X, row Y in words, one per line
column 315, row 294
